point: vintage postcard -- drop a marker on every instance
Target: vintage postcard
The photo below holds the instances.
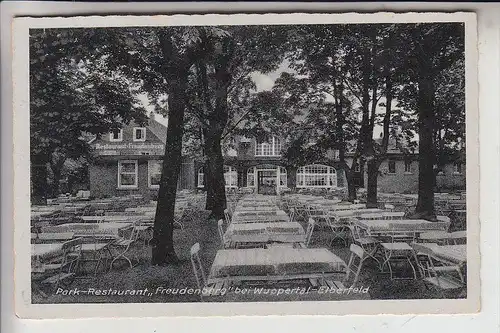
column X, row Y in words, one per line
column 202, row 165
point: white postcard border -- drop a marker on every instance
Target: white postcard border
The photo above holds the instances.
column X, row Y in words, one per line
column 25, row 309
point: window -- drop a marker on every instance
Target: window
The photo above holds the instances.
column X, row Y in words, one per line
column 251, row 174
column 201, row 177
column 457, row 168
column 408, row 166
column 315, row 175
column 230, row 176
column 392, row 166
column 127, row 174
column 154, row 173
column 139, row 134
column 271, row 148
column 116, row 135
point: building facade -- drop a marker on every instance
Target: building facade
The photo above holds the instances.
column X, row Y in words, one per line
column 129, row 161
column 259, row 166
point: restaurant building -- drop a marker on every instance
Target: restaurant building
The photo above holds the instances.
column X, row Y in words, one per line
column 129, row 161
column 259, row 166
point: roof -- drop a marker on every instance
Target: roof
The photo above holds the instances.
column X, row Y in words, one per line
column 159, row 130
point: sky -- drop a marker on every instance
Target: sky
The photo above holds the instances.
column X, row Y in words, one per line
column 265, row 82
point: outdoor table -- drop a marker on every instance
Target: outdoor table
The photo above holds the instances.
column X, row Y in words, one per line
column 245, row 233
column 343, row 215
column 254, row 217
column 53, row 237
column 41, row 251
column 453, row 254
column 274, row 264
column 90, row 229
column 114, row 218
column 384, row 226
column 256, row 208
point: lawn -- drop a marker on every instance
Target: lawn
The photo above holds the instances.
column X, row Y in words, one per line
column 135, row 280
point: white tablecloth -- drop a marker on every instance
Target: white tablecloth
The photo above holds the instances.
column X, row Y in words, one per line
column 276, row 261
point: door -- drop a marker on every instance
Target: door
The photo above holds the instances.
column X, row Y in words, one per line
column 266, row 182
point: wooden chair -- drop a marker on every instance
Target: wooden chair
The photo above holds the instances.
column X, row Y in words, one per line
column 338, row 230
column 398, row 250
column 123, row 244
column 369, row 244
column 62, row 268
column 442, row 275
column 178, row 216
column 309, row 231
column 220, row 229
column 227, row 216
column 446, row 220
column 353, row 267
column 198, row 271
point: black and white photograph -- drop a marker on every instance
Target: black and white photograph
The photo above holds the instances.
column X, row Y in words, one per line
column 248, row 159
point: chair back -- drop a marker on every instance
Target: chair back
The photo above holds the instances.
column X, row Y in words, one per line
column 404, row 232
column 309, row 231
column 220, row 223
column 199, row 274
column 446, row 220
column 355, row 263
column 226, row 216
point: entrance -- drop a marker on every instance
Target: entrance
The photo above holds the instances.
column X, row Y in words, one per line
column 266, row 182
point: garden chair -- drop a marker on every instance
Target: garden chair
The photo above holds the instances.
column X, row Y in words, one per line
column 398, row 250
column 178, row 216
column 354, row 267
column 63, row 267
column 369, row 244
column 199, row 273
column 123, row 243
column 444, row 276
column 220, row 224
column 227, row 216
column 339, row 230
column 309, row 231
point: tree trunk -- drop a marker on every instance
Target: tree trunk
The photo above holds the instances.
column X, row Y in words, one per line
column 426, row 156
column 39, row 179
column 371, row 193
column 162, row 243
column 209, row 203
column 215, row 176
column 56, row 172
column 291, row 179
column 351, row 187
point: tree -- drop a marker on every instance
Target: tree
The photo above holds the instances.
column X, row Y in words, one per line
column 221, row 84
column 433, row 48
column 67, row 99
